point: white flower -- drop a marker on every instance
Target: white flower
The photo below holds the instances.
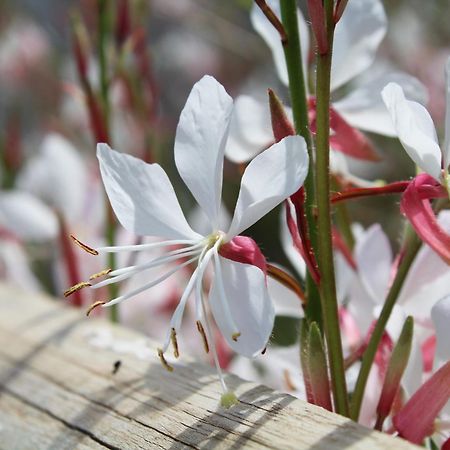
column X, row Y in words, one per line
column 145, row 203
column 357, row 38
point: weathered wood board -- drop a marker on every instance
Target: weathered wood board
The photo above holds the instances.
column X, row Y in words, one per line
column 57, row 391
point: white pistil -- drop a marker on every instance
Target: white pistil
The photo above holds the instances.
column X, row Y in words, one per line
column 148, row 285
column 235, row 333
column 139, row 247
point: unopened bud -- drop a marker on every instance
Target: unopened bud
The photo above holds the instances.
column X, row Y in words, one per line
column 281, row 125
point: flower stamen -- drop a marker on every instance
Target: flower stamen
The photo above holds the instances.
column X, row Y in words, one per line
column 93, row 306
column 235, row 336
column 85, row 247
column 173, row 338
column 201, row 330
column 77, row 287
column 100, row 274
column 164, row 361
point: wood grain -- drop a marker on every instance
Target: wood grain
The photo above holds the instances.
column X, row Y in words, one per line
column 58, row 391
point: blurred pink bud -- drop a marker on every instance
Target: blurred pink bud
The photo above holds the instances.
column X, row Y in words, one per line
column 123, row 23
column 415, row 420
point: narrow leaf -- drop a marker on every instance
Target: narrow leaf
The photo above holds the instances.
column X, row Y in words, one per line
column 396, row 368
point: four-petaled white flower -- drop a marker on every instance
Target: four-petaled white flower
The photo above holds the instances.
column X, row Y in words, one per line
column 145, row 203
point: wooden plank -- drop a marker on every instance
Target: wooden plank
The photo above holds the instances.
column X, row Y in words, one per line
column 57, row 391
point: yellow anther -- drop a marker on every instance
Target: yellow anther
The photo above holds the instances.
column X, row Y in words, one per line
column 163, row 360
column 173, row 338
column 76, row 288
column 100, row 274
column 235, row 336
column 203, row 335
column 93, row 306
column 85, row 247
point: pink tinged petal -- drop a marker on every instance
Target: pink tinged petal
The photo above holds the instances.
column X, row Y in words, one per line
column 373, row 257
column 415, row 420
column 272, row 38
column 248, row 303
column 358, row 34
column 244, row 249
column 142, row 196
column 446, row 150
column 417, row 208
column 249, row 129
column 414, row 128
column 269, row 179
column 440, row 314
column 200, row 143
column 349, row 327
column 26, row 217
column 363, row 108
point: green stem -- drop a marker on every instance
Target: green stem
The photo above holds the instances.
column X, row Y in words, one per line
column 410, row 248
column 325, row 247
column 110, row 231
column 297, row 89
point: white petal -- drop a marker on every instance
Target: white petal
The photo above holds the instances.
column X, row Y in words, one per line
column 446, row 152
column 361, row 306
column 27, row 217
column 142, row 197
column 250, row 129
column 412, row 378
column 428, row 280
column 269, row 179
column 249, row 304
column 364, row 108
column 374, row 258
column 440, row 315
column 58, row 175
column 200, row 143
column 272, row 38
column 414, row 128
column 285, row 301
column 16, row 268
column 356, row 40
